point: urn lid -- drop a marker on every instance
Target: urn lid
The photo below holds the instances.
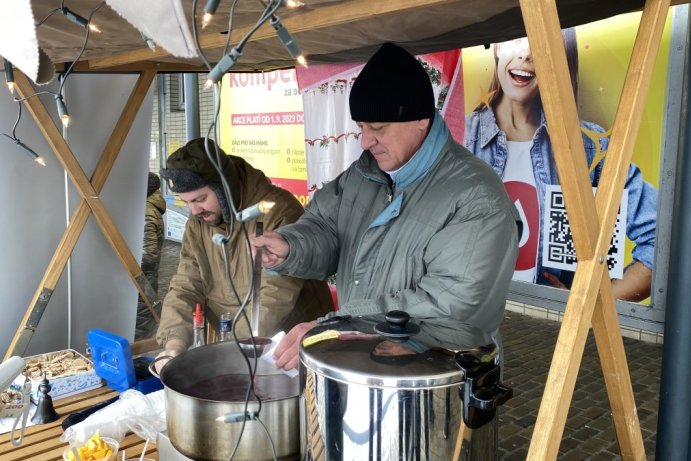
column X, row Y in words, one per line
column 383, row 351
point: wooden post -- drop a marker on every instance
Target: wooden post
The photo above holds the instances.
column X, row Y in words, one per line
column 78, row 220
column 592, row 222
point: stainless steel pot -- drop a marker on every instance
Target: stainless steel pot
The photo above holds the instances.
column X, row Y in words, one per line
column 209, row 382
column 372, row 390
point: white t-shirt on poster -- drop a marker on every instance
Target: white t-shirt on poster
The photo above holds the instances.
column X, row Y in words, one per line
column 519, row 181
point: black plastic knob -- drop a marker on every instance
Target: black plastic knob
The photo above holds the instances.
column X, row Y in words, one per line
column 397, row 326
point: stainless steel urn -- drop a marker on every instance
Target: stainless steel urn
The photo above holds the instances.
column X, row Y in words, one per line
column 372, row 389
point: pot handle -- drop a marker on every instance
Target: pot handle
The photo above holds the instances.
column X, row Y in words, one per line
column 152, row 370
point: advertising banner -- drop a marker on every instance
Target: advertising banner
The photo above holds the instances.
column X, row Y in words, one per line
column 505, row 126
column 261, row 120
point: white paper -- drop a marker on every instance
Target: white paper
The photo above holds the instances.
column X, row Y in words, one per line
column 268, row 354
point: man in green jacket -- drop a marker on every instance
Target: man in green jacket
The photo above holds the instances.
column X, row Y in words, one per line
column 201, row 276
column 417, row 223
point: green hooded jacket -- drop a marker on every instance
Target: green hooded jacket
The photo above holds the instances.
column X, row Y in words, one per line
column 200, row 278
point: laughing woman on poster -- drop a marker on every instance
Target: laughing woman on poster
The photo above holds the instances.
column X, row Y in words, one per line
column 510, row 133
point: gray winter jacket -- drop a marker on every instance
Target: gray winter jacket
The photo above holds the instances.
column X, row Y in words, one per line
column 439, row 242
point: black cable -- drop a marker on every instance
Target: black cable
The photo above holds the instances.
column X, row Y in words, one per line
column 195, row 34
column 66, row 73
column 215, row 160
column 48, row 16
column 81, row 52
column 230, row 26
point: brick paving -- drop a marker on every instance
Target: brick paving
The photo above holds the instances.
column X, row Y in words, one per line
column 589, row 434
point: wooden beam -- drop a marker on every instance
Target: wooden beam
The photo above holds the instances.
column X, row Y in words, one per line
column 137, row 67
column 547, row 47
column 335, row 14
column 593, row 227
column 79, row 217
column 630, row 111
column 624, row 131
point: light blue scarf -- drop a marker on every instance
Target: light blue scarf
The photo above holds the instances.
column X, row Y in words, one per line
column 416, row 168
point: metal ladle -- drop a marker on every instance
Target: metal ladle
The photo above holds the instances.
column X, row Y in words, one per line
column 254, row 346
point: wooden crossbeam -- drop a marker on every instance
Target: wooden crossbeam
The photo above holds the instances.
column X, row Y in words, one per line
column 592, row 222
column 327, row 15
column 80, row 216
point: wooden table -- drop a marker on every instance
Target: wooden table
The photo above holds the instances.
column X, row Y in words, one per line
column 42, row 442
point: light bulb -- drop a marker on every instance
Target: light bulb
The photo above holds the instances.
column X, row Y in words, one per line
column 255, row 211
column 293, row 3
column 206, row 19
column 94, row 28
column 209, row 10
column 30, row 152
column 62, row 110
column 222, row 67
column 288, row 41
column 149, row 42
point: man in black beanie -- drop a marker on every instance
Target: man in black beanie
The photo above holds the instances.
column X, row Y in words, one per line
column 417, row 223
column 201, row 276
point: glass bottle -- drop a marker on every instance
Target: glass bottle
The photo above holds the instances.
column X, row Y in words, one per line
column 225, row 327
column 198, row 339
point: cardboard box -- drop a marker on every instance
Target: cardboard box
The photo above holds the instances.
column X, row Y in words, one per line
column 78, row 373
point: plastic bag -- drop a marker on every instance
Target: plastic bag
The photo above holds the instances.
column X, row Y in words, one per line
column 143, row 414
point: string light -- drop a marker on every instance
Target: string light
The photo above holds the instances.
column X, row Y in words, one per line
column 255, row 211
column 229, row 60
column 209, row 11
column 31, row 153
column 62, row 110
column 149, row 42
column 9, row 75
column 222, row 67
column 288, row 41
column 292, row 3
column 27, row 150
column 79, row 20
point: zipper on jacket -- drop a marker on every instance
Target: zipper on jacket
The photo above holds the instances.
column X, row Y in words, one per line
column 390, row 193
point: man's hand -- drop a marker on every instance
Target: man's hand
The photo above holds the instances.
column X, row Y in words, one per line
column 274, row 248
column 287, row 354
column 172, row 348
column 636, row 284
column 554, row 280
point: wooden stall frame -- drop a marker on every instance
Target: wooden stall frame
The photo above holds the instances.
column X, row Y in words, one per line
column 592, row 221
column 90, row 203
column 592, row 218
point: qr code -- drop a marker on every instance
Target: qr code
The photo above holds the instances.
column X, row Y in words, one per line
column 558, row 250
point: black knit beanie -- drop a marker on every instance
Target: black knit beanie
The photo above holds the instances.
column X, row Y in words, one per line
column 189, row 168
column 153, row 184
column 392, row 87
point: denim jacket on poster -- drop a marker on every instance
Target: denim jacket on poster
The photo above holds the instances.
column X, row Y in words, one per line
column 484, row 138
